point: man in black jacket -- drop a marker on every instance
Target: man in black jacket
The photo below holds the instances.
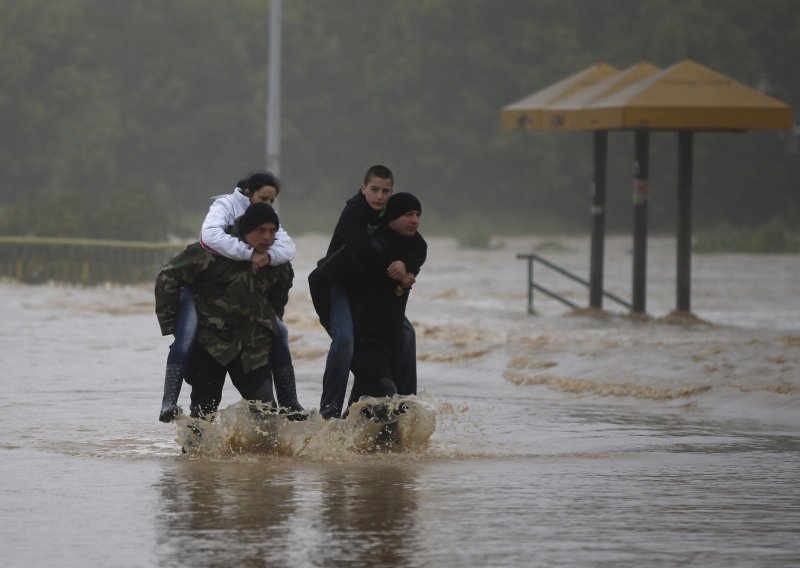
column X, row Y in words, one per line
column 359, row 219
column 378, row 303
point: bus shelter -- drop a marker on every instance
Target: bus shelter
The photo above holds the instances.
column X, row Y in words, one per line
column 684, row 98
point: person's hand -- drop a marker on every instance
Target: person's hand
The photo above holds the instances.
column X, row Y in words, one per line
column 259, row 260
column 408, row 280
column 396, row 270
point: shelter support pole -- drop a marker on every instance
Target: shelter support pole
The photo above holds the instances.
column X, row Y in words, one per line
column 684, row 252
column 600, row 152
column 640, row 190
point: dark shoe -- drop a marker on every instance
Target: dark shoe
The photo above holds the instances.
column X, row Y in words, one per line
column 384, row 411
column 169, row 412
column 330, row 411
column 376, row 412
column 294, row 412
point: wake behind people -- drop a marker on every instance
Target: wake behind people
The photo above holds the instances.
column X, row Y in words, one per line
column 224, row 297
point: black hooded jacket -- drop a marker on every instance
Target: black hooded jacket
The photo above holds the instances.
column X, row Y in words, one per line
column 353, row 249
column 378, row 302
column 378, row 305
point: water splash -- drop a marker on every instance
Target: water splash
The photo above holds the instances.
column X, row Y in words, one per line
column 238, row 430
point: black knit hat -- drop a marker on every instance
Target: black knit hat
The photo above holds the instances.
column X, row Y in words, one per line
column 399, row 204
column 255, row 216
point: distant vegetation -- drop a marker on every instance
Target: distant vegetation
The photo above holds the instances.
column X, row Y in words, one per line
column 121, row 119
column 772, row 237
column 472, row 237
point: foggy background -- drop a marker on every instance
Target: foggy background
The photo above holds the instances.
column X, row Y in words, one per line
column 121, row 118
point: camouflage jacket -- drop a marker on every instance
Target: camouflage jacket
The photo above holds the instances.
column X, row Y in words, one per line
column 236, row 308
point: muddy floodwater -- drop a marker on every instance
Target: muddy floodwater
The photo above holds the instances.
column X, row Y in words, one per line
column 560, row 439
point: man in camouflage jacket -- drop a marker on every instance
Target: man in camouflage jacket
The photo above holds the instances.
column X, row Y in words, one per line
column 236, row 310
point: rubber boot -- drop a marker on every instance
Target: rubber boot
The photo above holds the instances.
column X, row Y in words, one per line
column 172, row 388
column 286, row 390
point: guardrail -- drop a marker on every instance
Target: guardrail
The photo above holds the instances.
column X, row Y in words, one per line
column 83, row 261
column 532, row 285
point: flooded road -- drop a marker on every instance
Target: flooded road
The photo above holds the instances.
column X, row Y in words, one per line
column 560, row 439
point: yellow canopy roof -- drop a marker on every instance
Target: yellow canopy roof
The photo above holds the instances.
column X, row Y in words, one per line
column 689, row 96
column 568, row 113
column 527, row 112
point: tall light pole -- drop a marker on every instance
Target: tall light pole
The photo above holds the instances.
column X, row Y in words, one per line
column 274, row 90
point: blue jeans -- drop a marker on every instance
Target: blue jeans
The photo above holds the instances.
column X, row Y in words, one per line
column 340, row 357
column 280, row 356
column 185, row 331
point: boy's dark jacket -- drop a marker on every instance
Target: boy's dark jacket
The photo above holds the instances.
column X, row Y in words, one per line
column 356, row 223
column 377, row 301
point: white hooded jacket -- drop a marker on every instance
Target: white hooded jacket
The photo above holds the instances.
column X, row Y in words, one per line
column 221, row 215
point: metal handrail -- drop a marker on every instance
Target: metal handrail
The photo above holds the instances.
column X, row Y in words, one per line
column 531, row 257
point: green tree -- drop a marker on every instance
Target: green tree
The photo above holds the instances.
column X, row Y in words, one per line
column 144, row 107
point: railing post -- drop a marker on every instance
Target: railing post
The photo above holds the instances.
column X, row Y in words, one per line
column 531, row 257
column 530, row 286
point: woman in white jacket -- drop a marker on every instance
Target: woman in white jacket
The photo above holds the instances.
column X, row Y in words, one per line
column 227, row 208
column 260, row 187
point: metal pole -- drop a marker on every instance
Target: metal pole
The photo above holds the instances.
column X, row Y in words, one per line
column 273, row 148
column 684, row 252
column 600, row 143
column 640, row 190
column 531, row 311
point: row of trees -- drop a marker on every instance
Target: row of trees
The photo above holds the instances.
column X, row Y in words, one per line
column 122, row 117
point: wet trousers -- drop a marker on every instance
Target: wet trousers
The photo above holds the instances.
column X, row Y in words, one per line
column 207, row 377
column 340, row 357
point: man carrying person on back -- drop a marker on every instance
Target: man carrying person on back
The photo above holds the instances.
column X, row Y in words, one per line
column 236, row 310
column 360, row 217
column 378, row 303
